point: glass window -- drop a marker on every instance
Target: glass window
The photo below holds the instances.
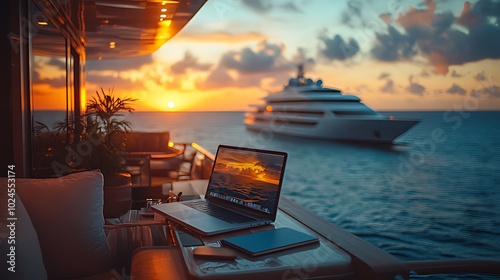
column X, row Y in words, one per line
column 50, row 72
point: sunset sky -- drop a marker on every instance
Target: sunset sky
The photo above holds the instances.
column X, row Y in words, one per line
column 395, row 55
column 265, row 168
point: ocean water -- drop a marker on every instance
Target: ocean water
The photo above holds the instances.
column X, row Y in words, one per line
column 262, row 197
column 434, row 195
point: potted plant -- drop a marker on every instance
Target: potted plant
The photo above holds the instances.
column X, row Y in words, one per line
column 98, row 137
column 106, row 129
column 98, row 142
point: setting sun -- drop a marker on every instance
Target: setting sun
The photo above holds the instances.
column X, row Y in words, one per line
column 171, row 104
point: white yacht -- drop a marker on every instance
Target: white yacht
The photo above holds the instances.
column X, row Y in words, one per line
column 305, row 108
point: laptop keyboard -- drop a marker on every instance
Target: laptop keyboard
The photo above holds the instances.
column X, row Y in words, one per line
column 218, row 212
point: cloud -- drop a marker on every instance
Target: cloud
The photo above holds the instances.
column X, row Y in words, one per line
column 125, row 75
column 302, row 58
column 479, row 13
column 415, row 88
column 491, row 91
column 337, row 49
column 53, row 82
column 384, row 75
column 257, row 5
column 425, row 73
column 218, row 78
column 188, row 62
column 455, row 47
column 121, row 64
column 261, row 6
column 148, row 78
column 49, row 71
column 388, row 87
column 393, row 46
column 467, row 18
column 362, row 88
column 224, row 78
column 436, row 38
column 264, row 66
column 290, row 6
column 438, row 91
column 456, row 89
column 455, row 74
column 106, row 80
column 386, row 18
column 222, row 37
column 362, row 15
column 480, row 77
column 353, row 13
column 265, row 58
column 61, row 64
column 418, row 17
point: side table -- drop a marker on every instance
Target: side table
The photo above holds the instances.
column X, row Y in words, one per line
column 315, row 261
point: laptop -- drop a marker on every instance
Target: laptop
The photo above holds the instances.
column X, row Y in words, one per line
column 243, row 192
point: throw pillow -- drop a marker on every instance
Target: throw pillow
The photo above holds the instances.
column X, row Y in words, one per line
column 67, row 214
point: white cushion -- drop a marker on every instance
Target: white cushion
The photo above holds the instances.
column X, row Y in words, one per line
column 67, row 215
column 27, row 256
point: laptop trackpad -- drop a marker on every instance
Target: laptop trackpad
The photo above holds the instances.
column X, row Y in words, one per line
column 212, row 224
column 191, row 216
column 202, row 221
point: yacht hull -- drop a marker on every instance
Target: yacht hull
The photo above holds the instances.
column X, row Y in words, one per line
column 359, row 130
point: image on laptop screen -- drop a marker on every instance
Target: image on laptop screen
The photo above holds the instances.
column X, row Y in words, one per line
column 248, row 178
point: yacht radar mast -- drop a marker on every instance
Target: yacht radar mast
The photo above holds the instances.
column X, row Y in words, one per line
column 300, row 80
column 300, row 75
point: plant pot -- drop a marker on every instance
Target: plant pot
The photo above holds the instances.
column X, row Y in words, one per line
column 117, row 195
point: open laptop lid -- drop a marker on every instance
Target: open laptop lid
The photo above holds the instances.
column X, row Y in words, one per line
column 247, row 179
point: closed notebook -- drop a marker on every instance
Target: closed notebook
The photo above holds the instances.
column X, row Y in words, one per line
column 269, row 241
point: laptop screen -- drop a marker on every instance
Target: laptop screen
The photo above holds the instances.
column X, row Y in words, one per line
column 249, row 178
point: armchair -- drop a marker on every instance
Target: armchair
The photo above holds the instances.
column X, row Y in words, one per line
column 148, row 142
column 149, row 156
column 185, row 168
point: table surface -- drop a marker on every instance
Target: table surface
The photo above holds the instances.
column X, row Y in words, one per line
column 157, row 155
column 323, row 259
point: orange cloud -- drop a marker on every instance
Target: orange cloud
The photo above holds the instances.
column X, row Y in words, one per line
column 222, row 37
column 440, row 63
column 467, row 18
column 418, row 17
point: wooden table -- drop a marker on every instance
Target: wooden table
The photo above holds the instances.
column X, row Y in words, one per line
column 340, row 254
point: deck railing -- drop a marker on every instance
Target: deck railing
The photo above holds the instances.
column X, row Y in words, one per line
column 202, row 166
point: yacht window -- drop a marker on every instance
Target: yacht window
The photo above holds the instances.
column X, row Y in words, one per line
column 354, row 113
column 298, row 112
column 281, row 121
column 315, row 100
column 321, row 90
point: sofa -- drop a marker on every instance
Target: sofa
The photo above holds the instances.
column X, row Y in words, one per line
column 54, row 229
